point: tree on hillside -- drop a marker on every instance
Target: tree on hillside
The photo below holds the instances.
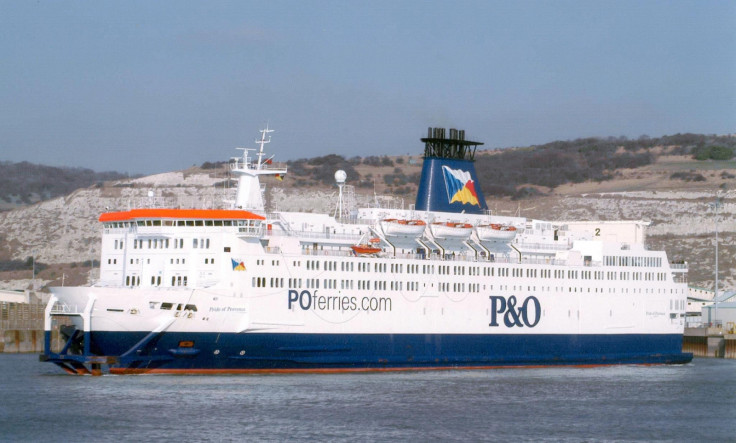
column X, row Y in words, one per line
column 713, row 152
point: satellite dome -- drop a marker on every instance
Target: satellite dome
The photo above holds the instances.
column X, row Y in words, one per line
column 340, row 176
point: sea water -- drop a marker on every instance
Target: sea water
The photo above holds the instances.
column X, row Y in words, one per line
column 692, row 402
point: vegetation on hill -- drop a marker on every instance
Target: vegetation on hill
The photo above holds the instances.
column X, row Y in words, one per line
column 322, row 169
column 20, row 265
column 518, row 172
column 713, row 152
column 26, row 183
column 513, row 172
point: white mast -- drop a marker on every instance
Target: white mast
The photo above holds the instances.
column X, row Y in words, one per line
column 250, row 194
column 262, row 142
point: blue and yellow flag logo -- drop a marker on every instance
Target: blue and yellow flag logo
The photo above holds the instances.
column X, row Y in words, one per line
column 238, row 266
column 460, row 186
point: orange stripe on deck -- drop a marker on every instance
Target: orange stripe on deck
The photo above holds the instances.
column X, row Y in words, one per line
column 209, row 214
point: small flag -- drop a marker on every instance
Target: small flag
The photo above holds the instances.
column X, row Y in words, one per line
column 279, row 177
column 269, row 161
column 238, row 266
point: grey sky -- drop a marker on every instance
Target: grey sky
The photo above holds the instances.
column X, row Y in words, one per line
column 149, row 86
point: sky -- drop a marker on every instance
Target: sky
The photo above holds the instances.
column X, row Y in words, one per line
column 144, row 87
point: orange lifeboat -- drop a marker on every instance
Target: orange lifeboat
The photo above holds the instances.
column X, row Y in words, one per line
column 365, row 249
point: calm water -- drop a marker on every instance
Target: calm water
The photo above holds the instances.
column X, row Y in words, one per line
column 694, row 402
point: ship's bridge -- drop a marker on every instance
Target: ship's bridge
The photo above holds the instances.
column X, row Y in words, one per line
column 173, row 247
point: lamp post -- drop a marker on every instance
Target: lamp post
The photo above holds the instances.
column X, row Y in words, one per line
column 716, row 205
column 33, row 276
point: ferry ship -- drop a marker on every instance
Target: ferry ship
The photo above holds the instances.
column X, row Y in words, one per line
column 444, row 283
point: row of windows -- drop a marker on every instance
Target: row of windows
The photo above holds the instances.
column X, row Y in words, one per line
column 203, row 243
column 377, row 285
column 489, row 272
column 157, row 243
column 183, row 223
column 135, row 280
column 456, row 287
column 398, row 268
column 170, row 306
column 619, row 260
column 136, row 261
column 314, row 283
column 164, row 243
column 260, row 282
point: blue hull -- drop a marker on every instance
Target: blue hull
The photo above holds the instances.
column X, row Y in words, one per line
column 211, row 352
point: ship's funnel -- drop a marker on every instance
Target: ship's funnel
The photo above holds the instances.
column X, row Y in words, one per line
column 449, row 182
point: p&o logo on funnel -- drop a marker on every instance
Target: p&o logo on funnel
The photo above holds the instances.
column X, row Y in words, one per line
column 460, row 186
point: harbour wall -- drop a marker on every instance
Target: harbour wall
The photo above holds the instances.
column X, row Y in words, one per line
column 709, row 342
column 21, row 322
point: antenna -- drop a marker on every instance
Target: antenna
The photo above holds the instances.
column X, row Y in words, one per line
column 262, row 142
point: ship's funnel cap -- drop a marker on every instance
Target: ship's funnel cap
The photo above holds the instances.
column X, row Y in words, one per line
column 449, row 182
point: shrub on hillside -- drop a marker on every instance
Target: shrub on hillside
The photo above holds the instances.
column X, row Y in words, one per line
column 372, row 160
column 688, row 176
column 713, row 152
column 525, row 192
column 322, row 169
column 212, row 165
column 21, row 265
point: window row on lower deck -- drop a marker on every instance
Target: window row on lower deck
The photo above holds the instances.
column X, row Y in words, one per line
column 485, row 271
column 156, row 280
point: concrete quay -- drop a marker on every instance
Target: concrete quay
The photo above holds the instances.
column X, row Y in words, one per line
column 21, row 322
column 709, row 342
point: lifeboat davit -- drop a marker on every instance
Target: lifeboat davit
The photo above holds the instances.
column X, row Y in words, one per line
column 451, row 230
column 496, row 232
column 365, row 249
column 393, row 227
